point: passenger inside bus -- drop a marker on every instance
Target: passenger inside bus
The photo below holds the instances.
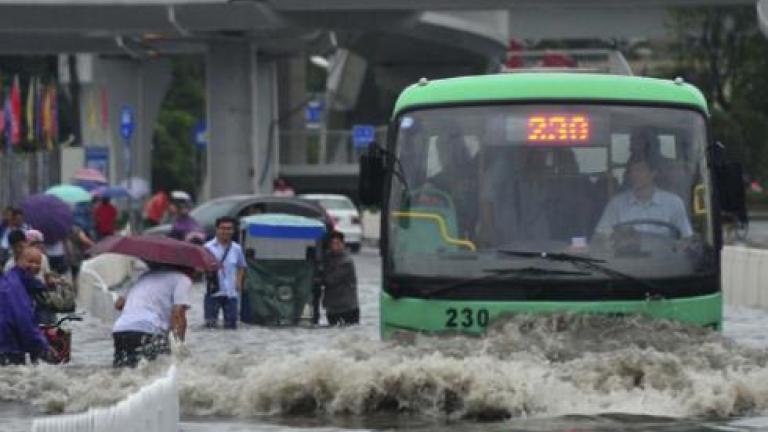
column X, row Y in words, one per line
column 573, row 198
column 516, row 194
column 458, row 178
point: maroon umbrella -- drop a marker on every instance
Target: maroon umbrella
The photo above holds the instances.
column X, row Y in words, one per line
column 89, row 175
column 159, row 249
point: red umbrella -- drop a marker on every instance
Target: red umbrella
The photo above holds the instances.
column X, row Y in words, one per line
column 159, row 249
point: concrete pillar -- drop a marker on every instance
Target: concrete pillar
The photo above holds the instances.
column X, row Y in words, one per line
column 242, row 104
column 292, row 84
column 266, row 144
column 229, row 66
column 155, row 77
column 108, row 84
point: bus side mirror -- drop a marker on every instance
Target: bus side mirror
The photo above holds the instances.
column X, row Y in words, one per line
column 372, row 174
column 729, row 180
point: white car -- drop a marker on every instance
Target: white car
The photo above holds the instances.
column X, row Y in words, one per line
column 345, row 216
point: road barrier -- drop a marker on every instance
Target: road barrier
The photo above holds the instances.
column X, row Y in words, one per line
column 371, row 227
column 745, row 276
column 154, row 408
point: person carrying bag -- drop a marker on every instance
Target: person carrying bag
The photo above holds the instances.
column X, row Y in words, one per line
column 223, row 287
column 212, row 285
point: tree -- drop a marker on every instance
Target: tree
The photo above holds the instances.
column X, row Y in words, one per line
column 721, row 51
column 175, row 161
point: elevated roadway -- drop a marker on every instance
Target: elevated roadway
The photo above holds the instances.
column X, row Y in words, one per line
column 243, row 41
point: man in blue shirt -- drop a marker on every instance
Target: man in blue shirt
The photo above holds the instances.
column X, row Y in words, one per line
column 645, row 201
column 230, row 276
column 19, row 331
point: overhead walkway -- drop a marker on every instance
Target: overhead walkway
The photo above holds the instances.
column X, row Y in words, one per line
column 322, row 161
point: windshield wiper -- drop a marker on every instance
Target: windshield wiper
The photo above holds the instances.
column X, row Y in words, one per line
column 496, row 272
column 589, row 263
column 553, row 256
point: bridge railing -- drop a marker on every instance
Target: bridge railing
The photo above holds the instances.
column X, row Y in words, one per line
column 154, row 408
column 320, row 147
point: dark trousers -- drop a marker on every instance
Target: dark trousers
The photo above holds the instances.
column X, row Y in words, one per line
column 58, row 264
column 344, row 318
column 4, row 255
column 211, row 307
column 12, row 359
column 130, row 347
column 317, row 293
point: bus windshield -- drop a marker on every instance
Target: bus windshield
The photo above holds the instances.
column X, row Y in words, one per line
column 626, row 185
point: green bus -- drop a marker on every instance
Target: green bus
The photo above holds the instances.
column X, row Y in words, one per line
column 543, row 192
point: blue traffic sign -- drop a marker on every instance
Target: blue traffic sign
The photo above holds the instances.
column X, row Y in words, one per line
column 98, row 158
column 313, row 114
column 126, row 122
column 200, row 134
column 363, row 135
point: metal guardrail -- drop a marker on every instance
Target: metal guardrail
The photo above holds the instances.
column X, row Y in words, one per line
column 321, row 151
column 584, row 60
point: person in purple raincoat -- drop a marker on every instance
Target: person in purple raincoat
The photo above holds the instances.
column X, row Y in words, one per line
column 184, row 224
column 19, row 331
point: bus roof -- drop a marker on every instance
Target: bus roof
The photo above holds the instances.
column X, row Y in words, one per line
column 549, row 86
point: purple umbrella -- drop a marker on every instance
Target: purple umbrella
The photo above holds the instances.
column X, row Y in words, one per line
column 110, row 192
column 48, row 214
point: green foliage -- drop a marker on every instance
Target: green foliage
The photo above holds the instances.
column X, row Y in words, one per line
column 722, row 51
column 744, row 130
column 176, row 162
column 757, row 200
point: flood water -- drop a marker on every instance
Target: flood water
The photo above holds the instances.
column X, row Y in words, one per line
column 542, row 373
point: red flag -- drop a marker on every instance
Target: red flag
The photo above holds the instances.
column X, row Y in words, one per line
column 514, row 60
column 15, row 112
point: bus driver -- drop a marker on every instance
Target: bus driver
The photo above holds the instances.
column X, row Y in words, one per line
column 645, row 204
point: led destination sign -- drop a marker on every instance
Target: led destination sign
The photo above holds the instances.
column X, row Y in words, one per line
column 558, row 128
